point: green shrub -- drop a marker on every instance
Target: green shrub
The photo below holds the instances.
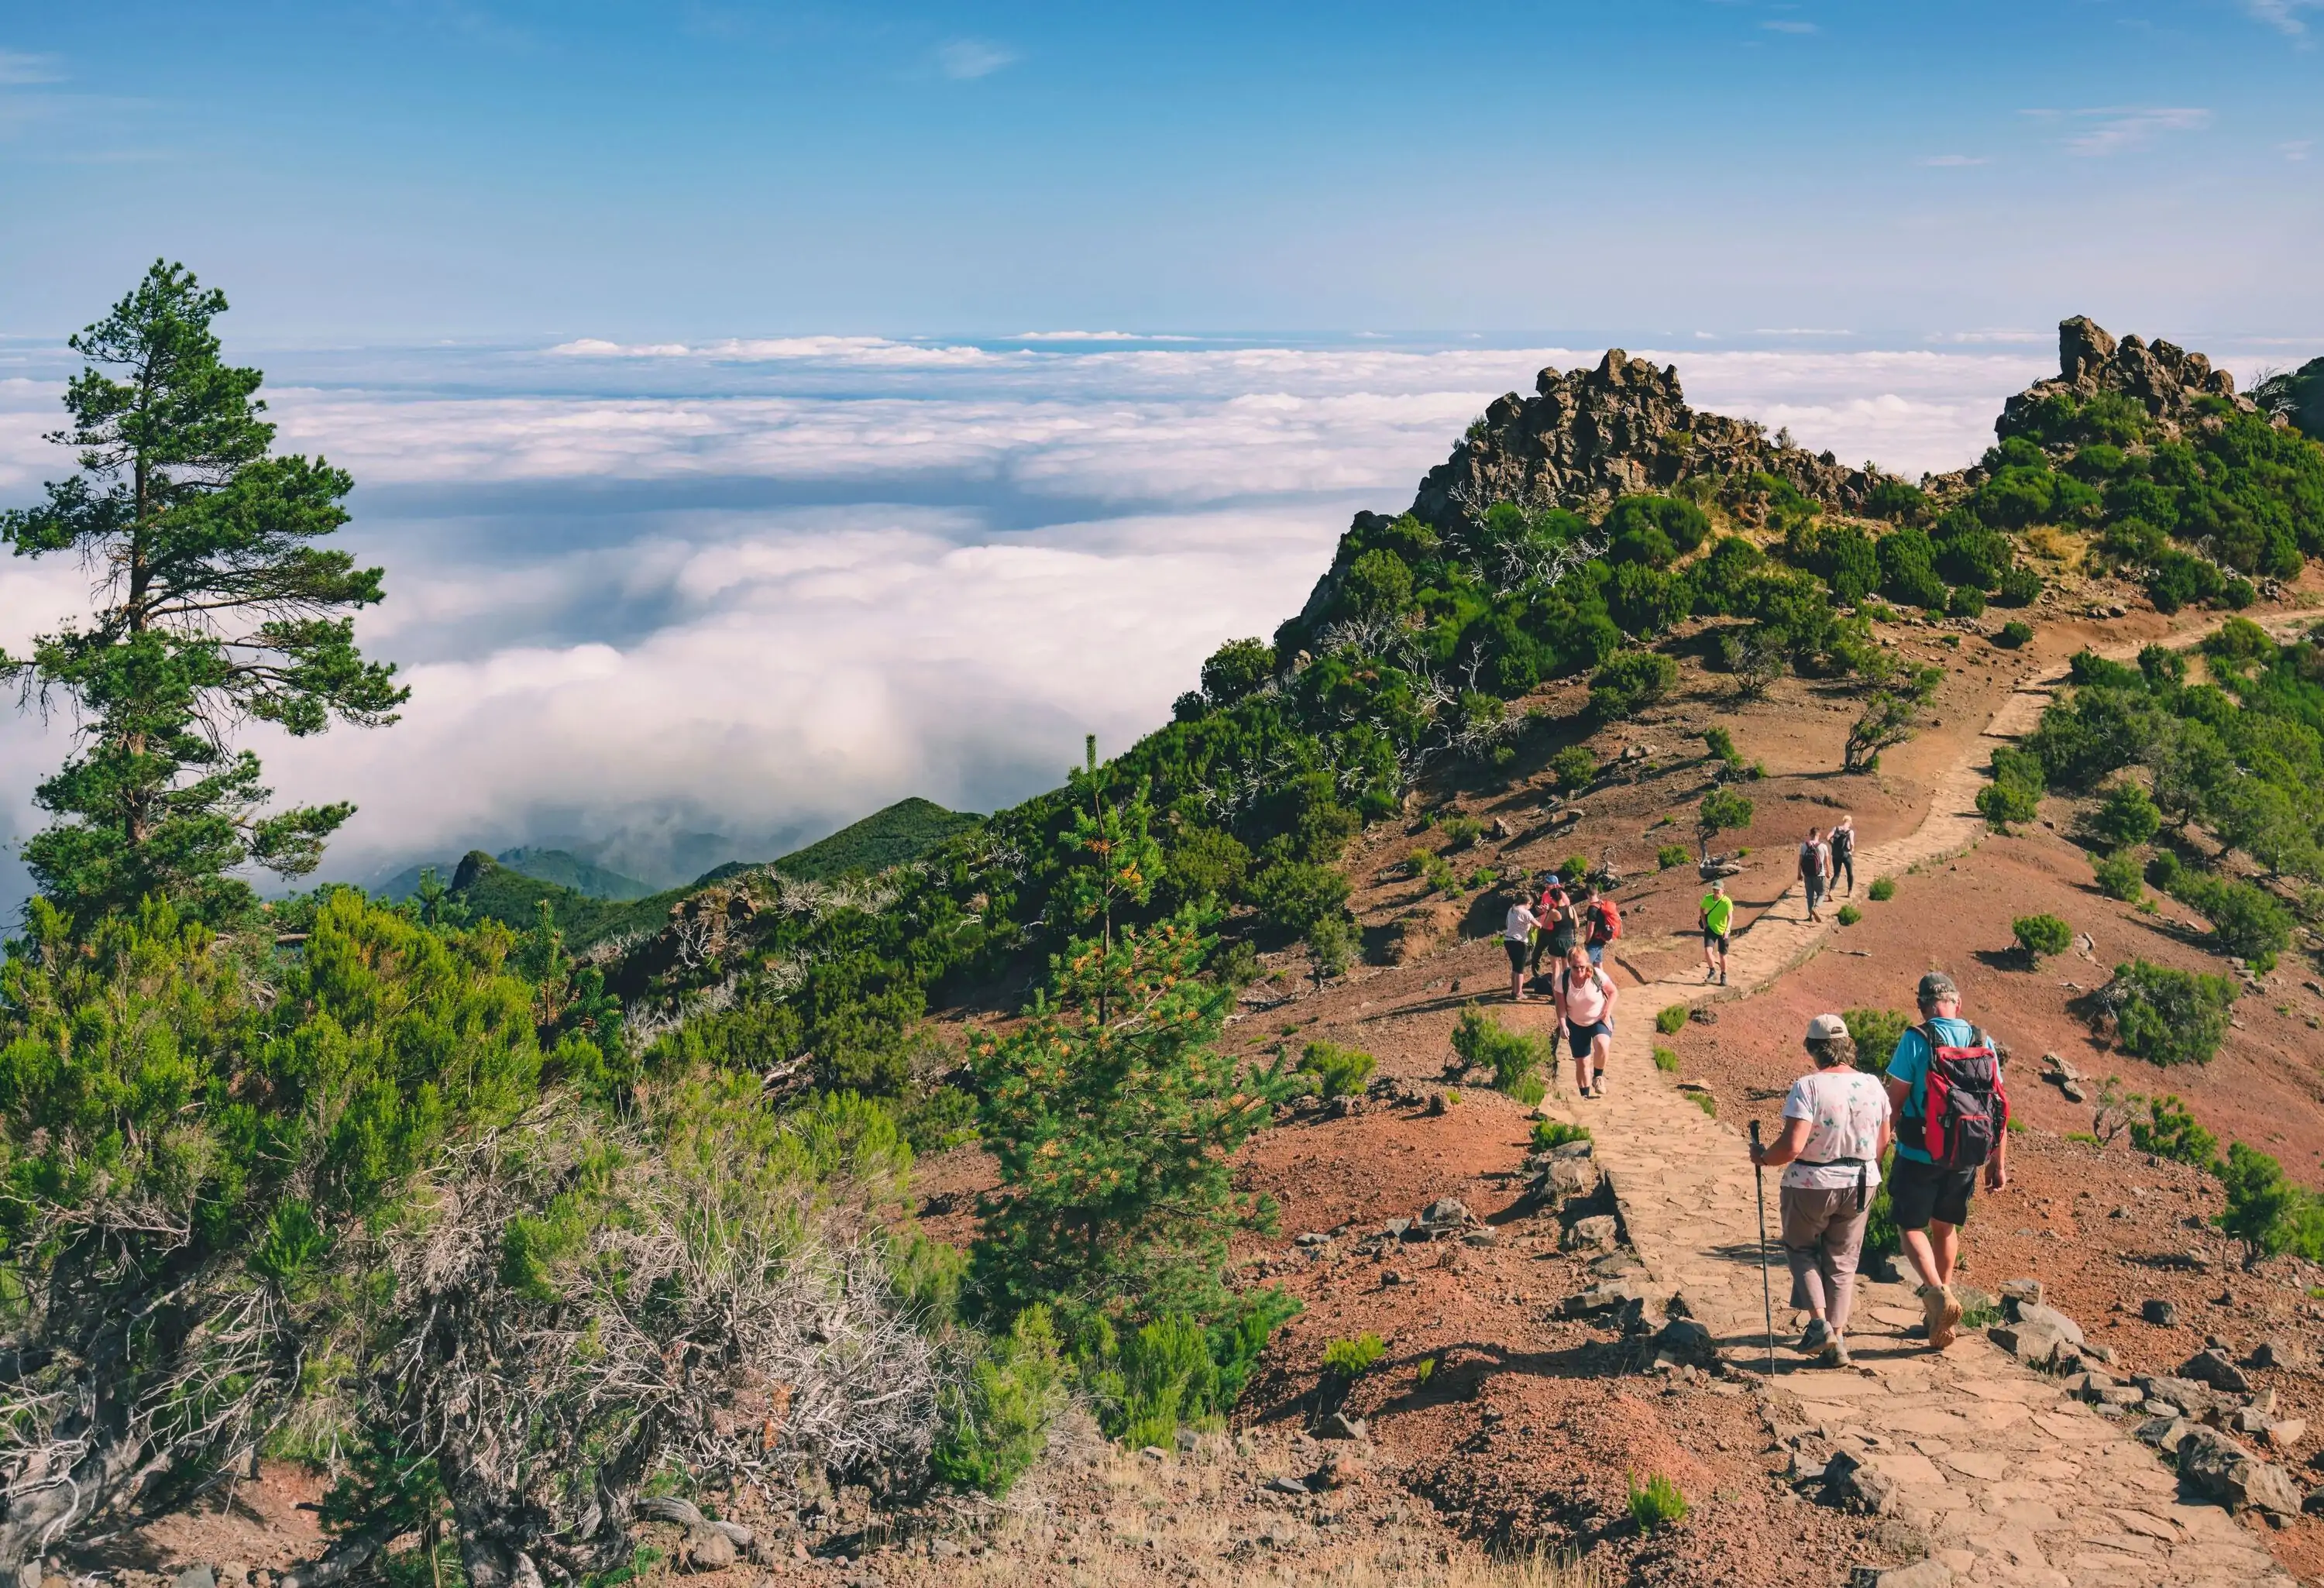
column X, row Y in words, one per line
column 997, row 1424
column 2020, row 586
column 1350, row 1360
column 2127, row 818
column 1671, row 1020
column 1850, row 915
column 2169, row 1016
column 1666, row 1061
column 1671, row 854
column 1883, row 890
column 1657, row 1505
column 1722, row 810
column 2170, row 1131
column 1339, row 1071
column 1168, row 1378
column 1628, row 681
column 1423, row 1370
column 2015, row 633
column 1548, row 1133
column 1720, row 744
column 1575, row 767
column 2007, row 805
column 1881, row 1236
column 1574, row 868
column 1292, row 895
column 1512, row 1056
column 2039, row 934
column 1706, row 1102
column 1965, row 601
column 2164, row 871
column 1460, row 831
column 2267, row 1213
column 2117, row 878
column 1876, row 1032
column 2247, row 921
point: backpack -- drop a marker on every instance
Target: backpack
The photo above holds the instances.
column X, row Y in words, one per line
column 1605, row 922
column 1966, row 1107
column 1843, row 843
column 1812, row 860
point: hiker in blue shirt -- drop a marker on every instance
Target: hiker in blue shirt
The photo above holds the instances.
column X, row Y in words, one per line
column 1932, row 1202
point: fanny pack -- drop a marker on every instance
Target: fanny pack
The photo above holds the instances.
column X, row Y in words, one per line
column 1862, row 1165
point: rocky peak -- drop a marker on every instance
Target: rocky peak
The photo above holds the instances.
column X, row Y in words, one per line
column 1588, row 436
column 2166, row 380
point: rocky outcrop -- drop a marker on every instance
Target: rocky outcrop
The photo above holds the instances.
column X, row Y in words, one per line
column 2166, row 380
column 1588, row 436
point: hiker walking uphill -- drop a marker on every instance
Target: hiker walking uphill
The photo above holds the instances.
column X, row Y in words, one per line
column 1585, row 1008
column 1554, row 912
column 1836, row 1125
column 1842, row 845
column 1518, row 937
column 1602, row 921
column 1815, row 871
column 1952, row 1118
column 1718, row 915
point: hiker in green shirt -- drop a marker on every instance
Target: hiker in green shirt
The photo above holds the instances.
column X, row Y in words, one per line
column 1718, row 915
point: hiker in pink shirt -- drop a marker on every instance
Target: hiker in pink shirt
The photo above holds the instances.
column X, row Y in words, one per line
column 1585, row 1004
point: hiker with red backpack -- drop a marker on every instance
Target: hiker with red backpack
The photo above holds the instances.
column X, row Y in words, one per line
column 1952, row 1120
column 1585, row 1009
column 1816, row 871
column 1601, row 921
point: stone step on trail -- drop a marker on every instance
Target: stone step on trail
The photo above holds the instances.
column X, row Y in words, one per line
column 2011, row 1480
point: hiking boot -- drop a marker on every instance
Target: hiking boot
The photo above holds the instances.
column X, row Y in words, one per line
column 1834, row 1354
column 1942, row 1313
column 1722, row 978
column 1817, row 1337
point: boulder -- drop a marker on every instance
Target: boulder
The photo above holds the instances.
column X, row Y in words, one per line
column 1341, row 1425
column 2285, row 1434
column 2029, row 1344
column 200, row 1577
column 1574, row 1150
column 2210, row 1367
column 1852, row 1485
column 1445, row 1211
column 2162, row 1315
column 1599, row 1231
column 2017, row 1293
column 2197, row 1401
column 2035, row 1316
column 2215, row 1467
column 1932, row 1573
column 1602, row 1297
column 2166, row 1433
column 1687, row 1340
column 708, row 1549
column 1572, row 1177
column 2274, row 1354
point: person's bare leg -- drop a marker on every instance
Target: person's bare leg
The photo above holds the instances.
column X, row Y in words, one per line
column 1945, row 1239
column 1917, row 1251
column 1600, row 1048
column 1581, row 1072
column 1516, row 985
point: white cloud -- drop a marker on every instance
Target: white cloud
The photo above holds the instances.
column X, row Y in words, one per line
column 2130, row 128
column 1973, row 338
column 2283, row 15
column 2295, row 149
column 1786, row 26
column 1953, row 160
column 965, row 58
column 1093, row 337
column 20, row 70
column 1799, row 332
column 849, row 350
column 767, row 613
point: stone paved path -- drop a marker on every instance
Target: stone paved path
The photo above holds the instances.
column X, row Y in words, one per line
column 2012, row 1481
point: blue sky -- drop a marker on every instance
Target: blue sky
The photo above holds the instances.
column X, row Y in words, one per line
column 408, row 170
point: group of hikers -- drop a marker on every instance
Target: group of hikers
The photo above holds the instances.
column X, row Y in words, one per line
column 1940, row 1104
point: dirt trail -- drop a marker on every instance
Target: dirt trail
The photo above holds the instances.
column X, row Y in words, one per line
column 2011, row 1480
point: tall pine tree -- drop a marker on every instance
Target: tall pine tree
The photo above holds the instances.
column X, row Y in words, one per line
column 212, row 607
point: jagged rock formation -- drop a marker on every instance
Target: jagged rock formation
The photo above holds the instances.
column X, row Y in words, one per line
column 1591, row 435
column 2167, row 380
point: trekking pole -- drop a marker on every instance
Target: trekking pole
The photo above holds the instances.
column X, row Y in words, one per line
column 1767, row 1296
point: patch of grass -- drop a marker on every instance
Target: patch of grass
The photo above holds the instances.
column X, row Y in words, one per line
column 1671, row 854
column 1460, row 831
column 1423, row 1370
column 1978, row 1310
column 1850, row 915
column 1657, row 1504
column 1514, row 1057
column 1881, row 891
column 1706, row 1102
column 1350, row 1360
column 1548, row 1133
column 1339, row 1071
column 2085, row 1138
column 1528, row 1090
column 1666, row 1061
column 1671, row 1020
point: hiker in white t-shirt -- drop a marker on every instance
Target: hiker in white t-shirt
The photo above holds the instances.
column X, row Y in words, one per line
column 1815, row 871
column 1836, row 1126
column 1517, row 936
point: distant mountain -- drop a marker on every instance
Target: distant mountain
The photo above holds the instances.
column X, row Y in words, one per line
column 904, row 831
column 560, row 866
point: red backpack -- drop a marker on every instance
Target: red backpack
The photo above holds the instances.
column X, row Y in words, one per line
column 1605, row 921
column 1966, row 1106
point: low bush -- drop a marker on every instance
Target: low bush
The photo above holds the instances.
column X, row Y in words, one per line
column 2117, row 878
column 1876, row 1032
column 1292, row 895
column 2267, row 1213
column 1671, row 854
column 1548, row 1133
column 2127, row 818
column 2247, row 921
column 1350, row 1360
column 2170, row 1131
column 1575, row 767
column 2014, row 633
column 2039, row 934
column 1706, row 1102
column 2168, row 1016
column 1670, row 1021
column 1339, row 1071
column 2007, row 805
column 1657, row 1504
column 1460, row 831
column 1881, row 891
column 1666, row 1061
column 996, row 1423
column 1512, row 1057
column 1850, row 915
column 1966, row 601
column 1628, row 681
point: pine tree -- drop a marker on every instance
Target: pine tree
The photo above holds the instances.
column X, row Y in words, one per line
column 1114, row 1136
column 1108, row 858
column 212, row 607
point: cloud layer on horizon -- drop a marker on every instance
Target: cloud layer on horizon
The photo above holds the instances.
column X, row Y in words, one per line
column 768, row 607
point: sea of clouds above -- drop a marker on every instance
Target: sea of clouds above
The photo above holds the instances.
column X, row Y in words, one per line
column 761, row 588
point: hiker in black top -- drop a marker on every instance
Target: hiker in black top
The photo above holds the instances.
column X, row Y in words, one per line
column 1843, row 852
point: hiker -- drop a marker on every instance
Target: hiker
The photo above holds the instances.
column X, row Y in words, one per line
column 1952, row 1118
column 1546, row 910
column 1816, row 871
column 1564, row 931
column 1836, row 1126
column 1842, row 844
column 1517, row 936
column 1718, row 915
column 1602, row 921
column 1585, row 1003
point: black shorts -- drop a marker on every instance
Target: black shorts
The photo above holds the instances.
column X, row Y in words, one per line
column 1715, row 940
column 1920, row 1192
